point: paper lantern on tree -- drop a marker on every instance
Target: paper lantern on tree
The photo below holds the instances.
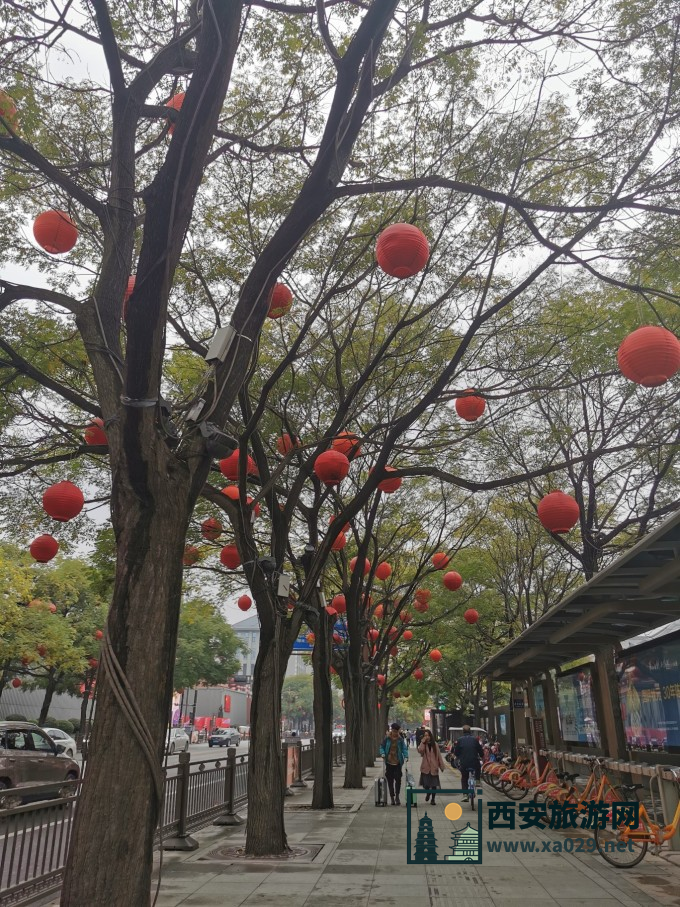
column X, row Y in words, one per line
column 345, row 528
column 471, row 616
column 423, row 595
column 25, row 660
column 339, row 542
column 418, row 674
column 176, row 104
column 381, row 680
column 383, row 571
column 8, row 112
column 380, row 612
column 332, row 670
column 63, row 501
column 393, row 633
column 280, row 301
column 129, row 290
column 44, row 548
column 402, row 250
column 191, row 556
column 55, row 232
column 16, row 683
column 331, row 467
column 470, row 407
column 558, row 512
column 285, row 444
column 367, row 565
column 337, row 639
column 396, row 694
column 420, row 606
column 256, row 508
column 452, row 580
column 387, row 485
column 435, row 655
column 229, row 466
column 232, row 492
column 440, row 560
column 330, row 611
column 98, row 634
column 92, row 662
column 346, row 443
column 405, row 617
column 244, row 602
column 94, row 434
column 41, row 650
column 339, row 603
column 649, row 356
column 373, row 634
column 230, row 557
column 407, row 635
column 311, row 638
column 393, row 650
column 52, row 608
column 211, row 529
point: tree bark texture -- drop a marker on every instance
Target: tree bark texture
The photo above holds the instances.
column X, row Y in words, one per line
column 322, row 795
column 354, row 721
column 370, row 708
column 49, row 693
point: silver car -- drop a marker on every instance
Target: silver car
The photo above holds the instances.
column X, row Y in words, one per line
column 177, row 741
column 28, row 756
column 69, row 744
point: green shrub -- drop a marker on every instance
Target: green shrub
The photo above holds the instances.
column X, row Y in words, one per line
column 16, row 718
column 62, row 724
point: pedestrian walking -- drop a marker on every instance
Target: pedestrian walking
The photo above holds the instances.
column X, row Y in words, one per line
column 419, row 734
column 469, row 753
column 395, row 753
column 430, row 766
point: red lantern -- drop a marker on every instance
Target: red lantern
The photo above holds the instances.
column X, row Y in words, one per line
column 211, row 529
column 95, row 434
column 379, row 612
column 393, row 650
column 280, row 301
column 63, row 501
column 347, row 443
column 405, row 617
column 41, row 650
column 229, row 466
column 388, row 486
column 407, row 636
column 367, row 565
column 332, row 670
column 53, row 608
column 55, row 232
column 92, row 662
column 423, row 595
column 396, row 694
column 191, row 556
column 256, row 508
column 418, row 674
column 311, row 638
column 373, row 634
column 471, row 616
column 232, row 492
column 339, row 603
column 337, row 639
column 331, row 467
column 440, row 560
column 393, row 633
column 402, row 250
column 285, row 444
column 435, row 655
column 129, row 290
column 8, row 111
column 649, row 356
column 16, row 683
column 245, row 602
column 452, row 580
column 230, row 557
column 331, row 612
column 98, row 634
column 381, row 680
column 470, row 407
column 339, row 542
column 420, row 606
column 383, row 571
column 44, row 548
column 25, row 661
column 176, row 104
column 558, row 512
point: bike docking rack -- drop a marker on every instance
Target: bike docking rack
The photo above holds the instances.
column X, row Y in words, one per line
column 34, row 837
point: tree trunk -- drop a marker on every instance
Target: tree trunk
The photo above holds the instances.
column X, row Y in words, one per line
column 354, row 721
column 49, row 693
column 265, row 831
column 150, row 516
column 322, row 795
column 370, row 709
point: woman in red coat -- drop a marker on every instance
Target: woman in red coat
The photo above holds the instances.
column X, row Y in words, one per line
column 431, row 765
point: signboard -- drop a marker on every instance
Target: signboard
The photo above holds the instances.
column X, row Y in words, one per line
column 649, row 692
column 518, row 703
column 576, row 707
column 538, row 733
column 227, row 703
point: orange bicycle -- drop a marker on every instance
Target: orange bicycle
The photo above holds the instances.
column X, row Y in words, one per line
column 516, row 784
column 598, row 788
column 624, row 847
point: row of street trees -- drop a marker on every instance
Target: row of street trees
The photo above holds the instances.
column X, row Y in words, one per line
column 537, row 151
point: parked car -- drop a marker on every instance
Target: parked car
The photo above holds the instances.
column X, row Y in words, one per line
column 177, row 741
column 224, row 736
column 28, row 756
column 69, row 744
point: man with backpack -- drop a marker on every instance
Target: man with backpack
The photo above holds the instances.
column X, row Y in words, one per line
column 469, row 753
column 395, row 753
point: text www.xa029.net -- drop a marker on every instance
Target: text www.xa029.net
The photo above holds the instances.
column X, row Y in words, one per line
column 569, row 845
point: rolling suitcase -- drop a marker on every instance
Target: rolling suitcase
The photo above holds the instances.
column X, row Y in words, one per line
column 380, row 791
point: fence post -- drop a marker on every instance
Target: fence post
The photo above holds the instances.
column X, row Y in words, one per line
column 287, row 792
column 181, row 840
column 310, row 773
column 298, row 782
column 230, row 817
column 342, row 750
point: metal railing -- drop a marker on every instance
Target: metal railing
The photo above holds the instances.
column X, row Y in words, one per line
column 34, row 838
